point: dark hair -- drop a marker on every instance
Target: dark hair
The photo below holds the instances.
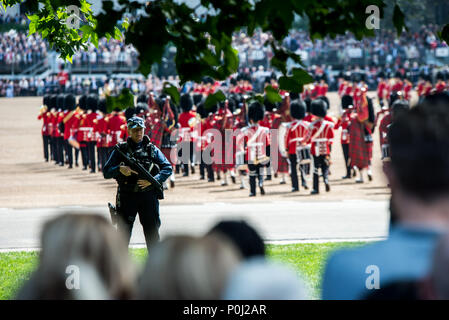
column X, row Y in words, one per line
column 243, row 236
column 419, row 150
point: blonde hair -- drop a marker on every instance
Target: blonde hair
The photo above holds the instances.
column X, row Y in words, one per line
column 88, row 240
column 185, row 267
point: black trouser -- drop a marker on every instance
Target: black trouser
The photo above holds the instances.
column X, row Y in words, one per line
column 320, row 162
column 146, row 205
column 345, row 147
column 91, row 150
column 46, row 140
column 84, row 154
column 53, row 148
column 102, row 156
column 60, row 150
column 77, row 153
column 69, row 152
column 294, row 172
column 185, row 154
column 199, row 155
column 255, row 171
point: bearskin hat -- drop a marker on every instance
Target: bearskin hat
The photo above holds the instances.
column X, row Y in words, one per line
column 381, row 75
column 298, row 109
column 318, row 108
column 82, row 102
column 186, row 102
column 60, row 102
column 326, row 100
column 142, row 98
column 201, row 110
column 398, row 75
column 92, row 102
column 440, row 76
column 197, row 98
column 346, row 101
column 399, row 106
column 294, row 95
column 256, row 111
column 46, row 100
column 52, row 101
column 395, row 95
column 308, row 103
column 141, row 107
column 70, row 102
column 129, row 113
column 102, row 105
column 269, row 106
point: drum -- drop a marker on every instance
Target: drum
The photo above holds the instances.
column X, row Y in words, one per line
column 303, row 154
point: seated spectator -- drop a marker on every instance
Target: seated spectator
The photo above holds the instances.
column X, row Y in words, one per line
column 259, row 279
column 418, row 175
column 86, row 243
column 243, row 236
column 184, row 267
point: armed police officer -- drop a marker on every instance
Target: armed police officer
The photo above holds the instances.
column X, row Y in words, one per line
column 135, row 193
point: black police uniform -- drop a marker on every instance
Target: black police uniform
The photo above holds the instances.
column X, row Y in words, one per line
column 131, row 199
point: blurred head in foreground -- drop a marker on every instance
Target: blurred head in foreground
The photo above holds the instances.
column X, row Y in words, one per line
column 82, row 257
column 243, row 236
column 188, row 268
column 260, row 279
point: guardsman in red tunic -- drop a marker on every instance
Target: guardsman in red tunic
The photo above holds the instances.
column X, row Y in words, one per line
column 407, row 89
column 51, row 127
column 207, row 124
column 322, row 88
column 427, row 89
column 344, row 122
column 297, row 152
column 101, row 133
column 82, row 135
column 44, row 115
column 280, row 123
column 440, row 86
column 381, row 89
column 186, row 122
column 320, row 135
column 254, row 140
column 69, row 122
column 223, row 121
column 58, row 133
column 397, row 107
column 89, row 122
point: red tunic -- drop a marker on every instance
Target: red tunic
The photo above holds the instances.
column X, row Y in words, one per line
column 46, row 119
column 320, row 135
column 322, row 89
column 115, row 123
column 186, row 129
column 296, row 134
column 344, row 123
column 440, row 86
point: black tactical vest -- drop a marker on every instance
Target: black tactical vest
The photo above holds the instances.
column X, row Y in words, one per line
column 144, row 154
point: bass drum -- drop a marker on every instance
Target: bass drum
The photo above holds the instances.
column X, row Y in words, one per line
column 281, row 139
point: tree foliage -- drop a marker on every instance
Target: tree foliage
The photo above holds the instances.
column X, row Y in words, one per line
column 204, row 43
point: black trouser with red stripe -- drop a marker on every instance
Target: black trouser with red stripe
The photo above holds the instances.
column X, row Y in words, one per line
column 323, row 163
column 294, row 172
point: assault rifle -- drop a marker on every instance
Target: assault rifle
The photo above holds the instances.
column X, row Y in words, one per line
column 142, row 172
